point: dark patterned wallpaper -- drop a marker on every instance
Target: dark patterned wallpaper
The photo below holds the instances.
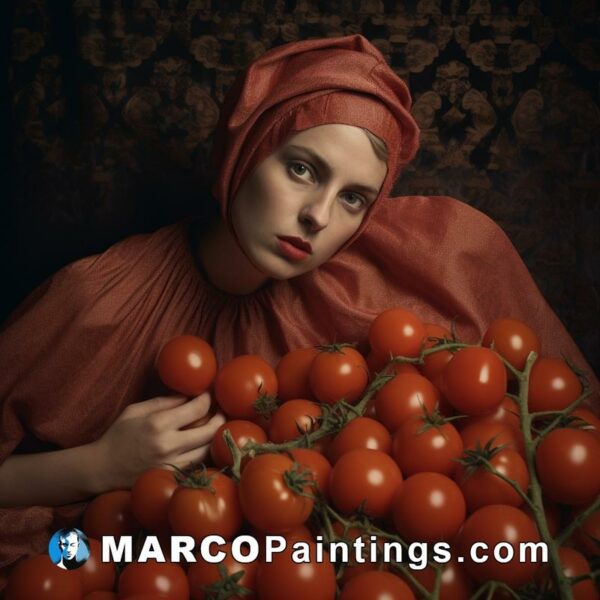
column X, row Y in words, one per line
column 112, row 105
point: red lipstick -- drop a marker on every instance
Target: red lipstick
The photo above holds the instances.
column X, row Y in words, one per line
column 294, row 247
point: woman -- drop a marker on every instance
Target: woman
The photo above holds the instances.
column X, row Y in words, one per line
column 308, row 249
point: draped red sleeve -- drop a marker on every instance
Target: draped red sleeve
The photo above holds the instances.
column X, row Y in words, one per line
column 81, row 347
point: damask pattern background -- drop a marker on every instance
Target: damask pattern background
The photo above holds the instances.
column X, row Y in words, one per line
column 112, row 105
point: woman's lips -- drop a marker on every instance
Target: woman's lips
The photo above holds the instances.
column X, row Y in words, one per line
column 291, row 250
column 298, row 242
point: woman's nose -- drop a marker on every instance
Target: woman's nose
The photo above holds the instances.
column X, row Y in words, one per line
column 316, row 212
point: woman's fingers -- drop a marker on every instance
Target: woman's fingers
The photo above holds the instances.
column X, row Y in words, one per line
column 199, row 436
column 179, row 416
column 192, row 458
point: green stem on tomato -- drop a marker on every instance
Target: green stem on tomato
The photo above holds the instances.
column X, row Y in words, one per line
column 591, row 575
column 537, row 504
column 341, row 415
column 563, row 536
column 328, row 525
column 511, row 482
column 328, row 426
column 236, row 453
column 481, row 591
column 371, row 529
column 561, row 415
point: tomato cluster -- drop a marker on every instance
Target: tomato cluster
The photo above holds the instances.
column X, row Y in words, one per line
column 424, row 439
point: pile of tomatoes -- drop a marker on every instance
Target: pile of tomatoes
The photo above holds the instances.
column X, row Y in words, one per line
column 425, row 439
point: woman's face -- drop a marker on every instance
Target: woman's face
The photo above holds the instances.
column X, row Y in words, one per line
column 316, row 188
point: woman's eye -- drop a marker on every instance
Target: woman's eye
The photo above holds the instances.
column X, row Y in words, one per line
column 355, row 201
column 299, row 169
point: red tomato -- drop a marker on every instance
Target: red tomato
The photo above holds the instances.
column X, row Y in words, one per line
column 568, row 466
column 352, row 569
column 506, row 414
column 430, row 507
column 455, row 585
column 435, row 363
column 573, row 564
column 492, row 525
column 268, row 503
column 211, row 507
column 483, row 432
column 376, row 585
column 187, row 364
column 317, row 463
column 292, row 418
column 552, row 385
column 295, row 581
column 95, row 574
column 513, row 340
column 377, row 363
column 38, row 578
column 338, row 373
column 150, row 497
column 364, row 476
column 361, row 432
column 151, row 577
column 481, row 487
column 202, row 573
column 110, row 514
column 398, row 332
column 474, row 381
column 241, row 382
column 292, row 374
column 403, row 397
column 242, row 432
column 417, row 448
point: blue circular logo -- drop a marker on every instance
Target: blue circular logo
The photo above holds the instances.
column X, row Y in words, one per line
column 69, row 548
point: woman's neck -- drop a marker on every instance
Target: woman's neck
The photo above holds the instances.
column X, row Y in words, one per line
column 225, row 265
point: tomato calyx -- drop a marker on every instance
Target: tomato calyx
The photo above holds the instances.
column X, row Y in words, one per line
column 480, row 457
column 434, row 418
column 226, row 587
column 298, row 478
column 559, row 420
column 335, row 417
column 266, row 404
column 198, row 479
column 336, row 347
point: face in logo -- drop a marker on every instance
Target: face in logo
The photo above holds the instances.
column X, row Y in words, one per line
column 69, row 545
column 69, row 548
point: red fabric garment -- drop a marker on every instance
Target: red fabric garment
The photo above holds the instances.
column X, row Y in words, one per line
column 82, row 346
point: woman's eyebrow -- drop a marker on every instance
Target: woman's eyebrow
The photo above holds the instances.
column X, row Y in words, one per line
column 323, row 165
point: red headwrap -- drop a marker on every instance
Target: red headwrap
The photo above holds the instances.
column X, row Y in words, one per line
column 302, row 85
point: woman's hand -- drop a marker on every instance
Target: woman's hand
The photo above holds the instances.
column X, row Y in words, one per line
column 164, row 430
